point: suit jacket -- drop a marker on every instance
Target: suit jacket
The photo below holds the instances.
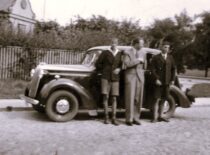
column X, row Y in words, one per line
column 133, row 78
column 163, row 70
column 132, row 65
column 107, row 63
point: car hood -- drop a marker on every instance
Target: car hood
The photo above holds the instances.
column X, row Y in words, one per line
column 66, row 68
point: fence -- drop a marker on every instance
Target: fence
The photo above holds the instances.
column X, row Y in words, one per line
column 16, row 62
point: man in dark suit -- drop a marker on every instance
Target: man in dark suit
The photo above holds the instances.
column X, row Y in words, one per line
column 109, row 65
column 163, row 70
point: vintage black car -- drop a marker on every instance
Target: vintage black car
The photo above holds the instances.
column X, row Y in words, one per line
column 61, row 91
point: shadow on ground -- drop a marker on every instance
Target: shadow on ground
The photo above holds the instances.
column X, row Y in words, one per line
column 81, row 116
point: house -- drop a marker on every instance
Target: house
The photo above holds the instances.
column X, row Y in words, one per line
column 19, row 15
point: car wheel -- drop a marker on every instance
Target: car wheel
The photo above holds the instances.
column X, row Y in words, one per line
column 39, row 108
column 169, row 107
column 62, row 106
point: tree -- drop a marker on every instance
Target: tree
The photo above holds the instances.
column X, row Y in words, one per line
column 103, row 30
column 159, row 30
column 184, row 36
column 201, row 54
column 177, row 32
column 128, row 30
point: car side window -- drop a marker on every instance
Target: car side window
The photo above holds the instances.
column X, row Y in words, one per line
column 91, row 57
column 95, row 57
column 149, row 59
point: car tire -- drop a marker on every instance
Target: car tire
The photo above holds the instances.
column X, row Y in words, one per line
column 62, row 106
column 169, row 107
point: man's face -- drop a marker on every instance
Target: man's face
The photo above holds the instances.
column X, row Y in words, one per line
column 114, row 45
column 165, row 48
column 139, row 45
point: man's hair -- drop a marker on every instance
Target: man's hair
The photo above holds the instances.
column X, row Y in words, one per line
column 165, row 43
column 114, row 41
column 135, row 41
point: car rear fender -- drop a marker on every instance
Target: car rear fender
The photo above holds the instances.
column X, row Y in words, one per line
column 179, row 96
column 83, row 96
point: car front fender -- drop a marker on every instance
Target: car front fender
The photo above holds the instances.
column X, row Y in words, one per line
column 82, row 94
column 180, row 97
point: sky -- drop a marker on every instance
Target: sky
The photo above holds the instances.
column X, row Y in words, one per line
column 64, row 11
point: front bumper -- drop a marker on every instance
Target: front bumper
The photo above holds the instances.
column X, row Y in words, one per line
column 29, row 100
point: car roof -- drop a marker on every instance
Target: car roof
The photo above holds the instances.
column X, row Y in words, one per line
column 124, row 48
column 108, row 47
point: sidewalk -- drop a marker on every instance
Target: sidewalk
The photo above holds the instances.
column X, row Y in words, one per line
column 14, row 105
column 20, row 105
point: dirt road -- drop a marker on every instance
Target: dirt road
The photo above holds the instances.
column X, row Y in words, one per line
column 29, row 133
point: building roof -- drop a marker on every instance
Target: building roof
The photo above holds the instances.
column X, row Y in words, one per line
column 6, row 4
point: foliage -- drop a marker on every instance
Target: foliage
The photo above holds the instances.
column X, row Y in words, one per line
column 78, row 35
column 18, row 87
column 177, row 32
column 26, row 61
column 199, row 52
column 190, row 42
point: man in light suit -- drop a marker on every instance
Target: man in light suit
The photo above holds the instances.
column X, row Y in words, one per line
column 134, row 64
column 163, row 70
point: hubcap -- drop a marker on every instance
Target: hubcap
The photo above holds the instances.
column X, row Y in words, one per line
column 166, row 107
column 62, row 106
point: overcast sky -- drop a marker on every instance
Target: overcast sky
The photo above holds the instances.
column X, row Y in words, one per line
column 146, row 10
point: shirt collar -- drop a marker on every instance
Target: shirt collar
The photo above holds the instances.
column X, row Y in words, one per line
column 164, row 55
column 115, row 52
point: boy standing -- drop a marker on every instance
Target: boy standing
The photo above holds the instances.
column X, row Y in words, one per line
column 109, row 64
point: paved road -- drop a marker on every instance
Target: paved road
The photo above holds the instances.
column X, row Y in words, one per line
column 29, row 133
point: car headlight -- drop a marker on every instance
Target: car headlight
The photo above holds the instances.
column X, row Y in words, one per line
column 32, row 72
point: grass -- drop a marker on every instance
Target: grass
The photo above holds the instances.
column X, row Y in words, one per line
column 196, row 73
column 11, row 89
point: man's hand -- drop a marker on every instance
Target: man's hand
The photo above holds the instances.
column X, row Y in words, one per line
column 158, row 82
column 172, row 83
column 141, row 60
column 116, row 71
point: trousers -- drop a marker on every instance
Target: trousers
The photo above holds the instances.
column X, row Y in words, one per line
column 133, row 98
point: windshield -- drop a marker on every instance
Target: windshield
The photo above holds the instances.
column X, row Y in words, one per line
column 91, row 57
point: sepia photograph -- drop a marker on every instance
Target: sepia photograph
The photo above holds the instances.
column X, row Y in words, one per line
column 93, row 77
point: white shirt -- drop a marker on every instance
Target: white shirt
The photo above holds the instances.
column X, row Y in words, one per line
column 114, row 52
column 164, row 56
column 141, row 54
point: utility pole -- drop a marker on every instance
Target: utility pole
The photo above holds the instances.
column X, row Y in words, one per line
column 44, row 9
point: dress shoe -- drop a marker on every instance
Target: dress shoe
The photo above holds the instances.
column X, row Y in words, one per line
column 106, row 121
column 161, row 119
column 137, row 122
column 129, row 123
column 114, row 122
